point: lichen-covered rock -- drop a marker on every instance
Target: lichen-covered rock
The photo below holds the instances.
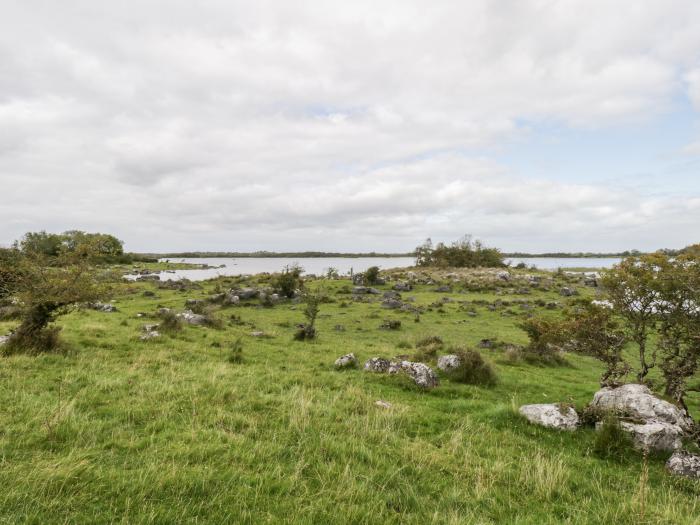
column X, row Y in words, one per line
column 503, row 276
column 684, row 463
column 567, row 292
column 245, row 293
column 362, row 290
column 103, row 307
column 449, row 362
column 383, row 404
column 4, row 339
column 346, row 361
column 422, row 374
column 231, row 298
column 192, row 318
column 150, row 332
column 551, row 415
column 391, row 304
column 377, row 364
column 403, row 287
column 656, row 436
column 638, row 402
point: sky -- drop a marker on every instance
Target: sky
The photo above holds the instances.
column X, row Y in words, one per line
column 534, row 125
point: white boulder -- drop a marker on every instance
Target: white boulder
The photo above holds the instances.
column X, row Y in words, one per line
column 551, row 415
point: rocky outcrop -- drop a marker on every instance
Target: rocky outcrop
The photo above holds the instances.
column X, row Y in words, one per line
column 391, row 304
column 638, row 402
column 551, row 416
column 245, row 293
column 362, row 290
column 448, row 363
column 377, row 364
column 192, row 318
column 103, row 307
column 422, row 374
column 346, row 361
column 653, row 424
column 684, row 463
column 150, row 331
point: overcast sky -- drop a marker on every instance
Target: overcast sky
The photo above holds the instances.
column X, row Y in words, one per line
column 222, row 125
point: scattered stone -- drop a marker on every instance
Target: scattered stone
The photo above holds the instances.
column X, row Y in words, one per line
column 391, row 304
column 567, row 292
column 246, row 293
column 151, row 332
column 591, row 281
column 683, row 463
column 503, row 276
column 389, row 294
column 4, row 339
column 339, row 328
column 257, row 333
column 449, row 362
column 194, row 302
column 148, row 278
column 443, row 289
column 103, row 307
column 192, row 318
column 551, row 415
column 390, row 324
column 383, row 404
column 377, row 364
column 422, row 374
column 346, row 361
column 486, row 343
column 362, row 290
column 403, row 287
column 231, row 298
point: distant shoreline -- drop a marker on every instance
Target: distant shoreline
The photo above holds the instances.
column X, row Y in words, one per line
column 318, row 255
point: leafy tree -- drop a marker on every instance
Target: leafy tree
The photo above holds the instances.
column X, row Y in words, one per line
column 289, row 281
column 464, row 253
column 593, row 330
column 371, row 275
column 312, row 300
column 46, row 287
column 633, row 287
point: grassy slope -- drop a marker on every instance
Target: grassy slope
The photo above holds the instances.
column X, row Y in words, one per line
column 168, row 431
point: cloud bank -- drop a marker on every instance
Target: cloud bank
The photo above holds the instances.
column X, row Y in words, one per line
column 333, row 125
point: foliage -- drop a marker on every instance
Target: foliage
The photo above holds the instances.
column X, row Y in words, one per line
column 103, row 247
column 464, row 253
column 427, row 348
column 611, row 441
column 592, row 330
column 289, row 281
column 235, row 355
column 46, row 287
column 472, row 369
column 371, row 275
column 312, row 300
column 169, row 322
column 632, row 287
column 547, row 338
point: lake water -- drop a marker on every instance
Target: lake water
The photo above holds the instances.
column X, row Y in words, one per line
column 319, row 265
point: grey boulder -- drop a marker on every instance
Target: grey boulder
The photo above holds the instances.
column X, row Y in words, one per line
column 550, row 415
column 346, row 361
column 684, row 463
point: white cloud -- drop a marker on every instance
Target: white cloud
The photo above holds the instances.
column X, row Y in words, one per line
column 231, row 125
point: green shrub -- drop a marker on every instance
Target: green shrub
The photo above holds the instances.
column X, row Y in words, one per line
column 169, row 322
column 427, row 348
column 473, row 369
column 235, row 355
column 289, row 281
column 611, row 441
column 371, row 275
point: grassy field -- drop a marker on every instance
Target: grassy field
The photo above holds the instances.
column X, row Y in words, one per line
column 120, row 430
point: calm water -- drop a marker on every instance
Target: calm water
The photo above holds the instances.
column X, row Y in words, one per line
column 319, row 265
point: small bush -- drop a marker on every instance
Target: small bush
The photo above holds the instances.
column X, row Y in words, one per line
column 371, row 275
column 427, row 348
column 611, row 441
column 289, row 281
column 210, row 318
column 169, row 322
column 404, row 344
column 472, row 370
column 235, row 355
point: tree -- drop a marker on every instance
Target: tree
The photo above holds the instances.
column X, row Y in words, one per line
column 592, row 330
column 371, row 275
column 633, row 287
column 46, row 287
column 463, row 253
column 289, row 281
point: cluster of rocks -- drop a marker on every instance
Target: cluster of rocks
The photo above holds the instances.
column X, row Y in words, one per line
column 653, row 424
column 102, row 307
column 421, row 374
column 150, row 331
column 189, row 317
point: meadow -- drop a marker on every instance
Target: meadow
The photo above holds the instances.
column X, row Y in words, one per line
column 175, row 430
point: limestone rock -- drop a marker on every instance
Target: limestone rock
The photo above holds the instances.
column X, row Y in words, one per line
column 346, row 361
column 377, row 364
column 683, row 463
column 551, row 415
column 449, row 362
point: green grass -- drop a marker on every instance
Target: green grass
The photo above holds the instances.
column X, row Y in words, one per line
column 169, row 431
